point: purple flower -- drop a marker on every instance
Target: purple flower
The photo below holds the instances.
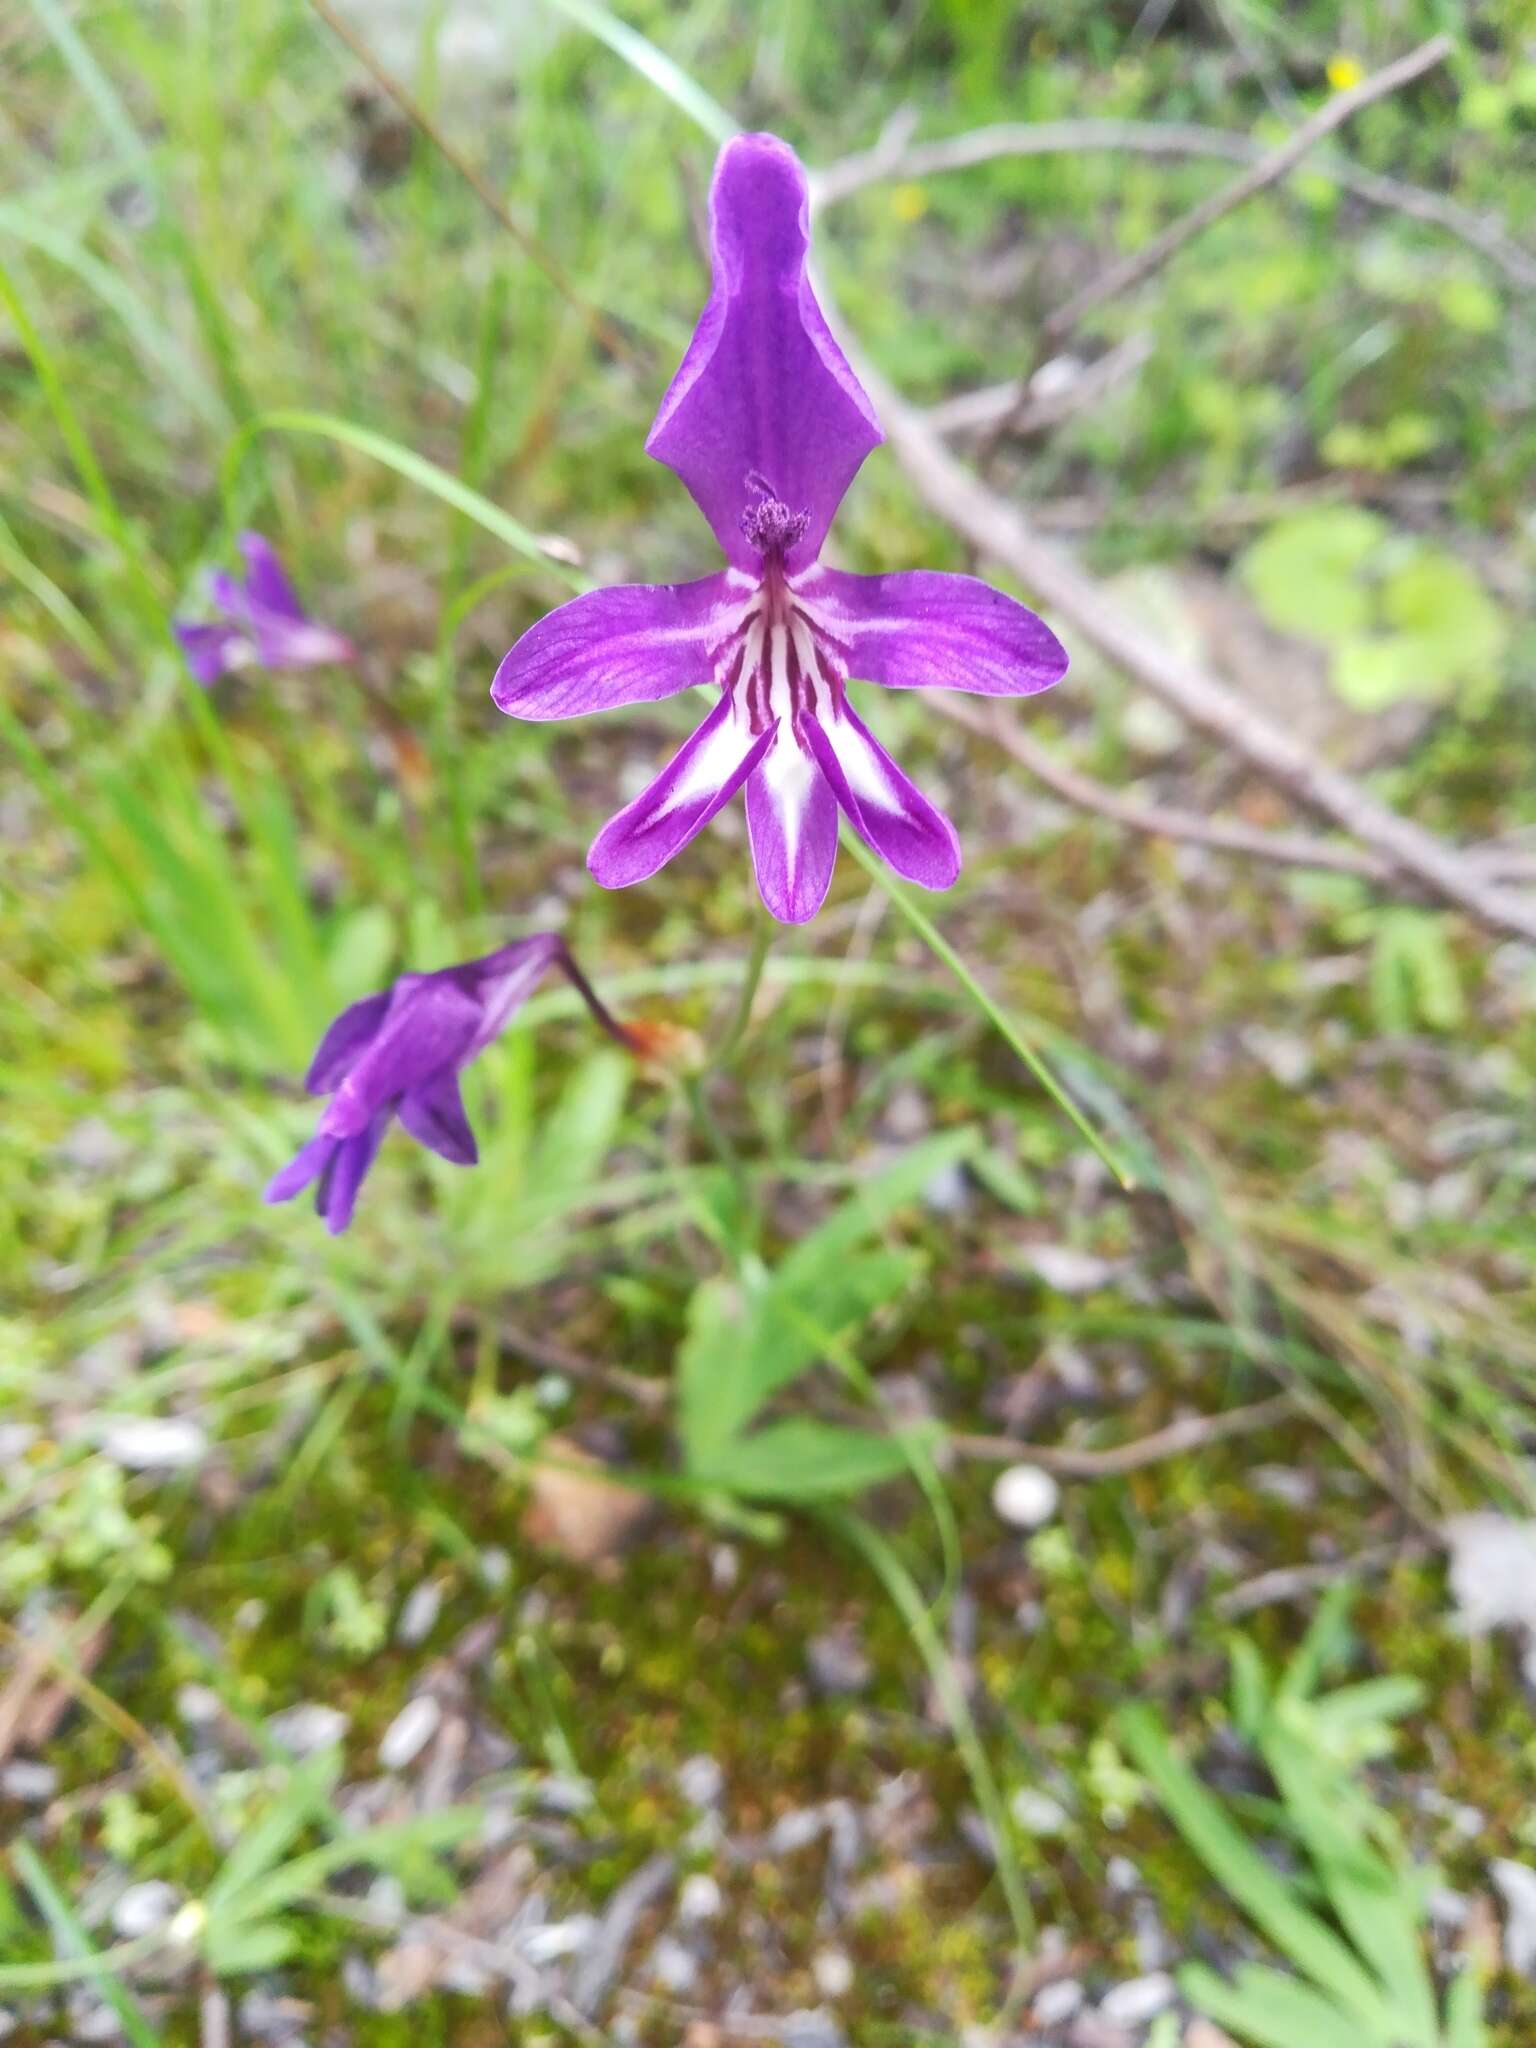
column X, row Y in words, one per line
column 263, row 622
column 766, row 425
column 400, row 1053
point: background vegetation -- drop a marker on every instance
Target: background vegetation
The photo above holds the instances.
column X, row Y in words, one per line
column 342, row 1701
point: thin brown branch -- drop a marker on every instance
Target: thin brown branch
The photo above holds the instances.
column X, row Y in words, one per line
column 895, row 157
column 1251, row 842
column 1191, row 1433
column 598, row 324
column 1278, row 163
column 1080, row 605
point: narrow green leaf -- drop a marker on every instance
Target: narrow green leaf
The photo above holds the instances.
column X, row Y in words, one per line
column 802, row 1460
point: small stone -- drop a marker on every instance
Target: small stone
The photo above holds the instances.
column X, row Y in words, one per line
column 199, row 1705
column 1037, row 1813
column 833, row 1973
column 811, row 2030
column 145, row 1909
column 1054, row 2004
column 700, row 1898
column 1142, row 1999
column 1068, row 1270
column 495, row 1567
column 418, row 1617
column 674, row 1967
column 31, row 1784
column 1516, row 1884
column 701, row 1780
column 410, row 1732
column 148, row 1443
column 1025, row 1496
column 836, row 1663
column 309, row 1727
column 559, row 1938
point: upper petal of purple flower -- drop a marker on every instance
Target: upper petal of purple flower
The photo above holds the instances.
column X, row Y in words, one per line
column 501, row 982
column 764, row 404
column 345, row 1042
column 920, row 629
column 430, row 1025
column 630, row 644
column 266, row 580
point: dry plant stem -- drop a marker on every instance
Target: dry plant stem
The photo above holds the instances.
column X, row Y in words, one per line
column 1193, row 1433
column 1276, row 164
column 599, row 326
column 1077, row 603
column 898, row 158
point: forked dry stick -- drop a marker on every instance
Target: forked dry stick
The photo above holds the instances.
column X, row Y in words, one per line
column 897, row 157
column 1278, row 163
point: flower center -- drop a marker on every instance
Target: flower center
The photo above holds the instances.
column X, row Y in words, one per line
column 780, row 662
column 772, row 528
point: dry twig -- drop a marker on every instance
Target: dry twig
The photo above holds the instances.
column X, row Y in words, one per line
column 1191, row 1433
column 895, row 156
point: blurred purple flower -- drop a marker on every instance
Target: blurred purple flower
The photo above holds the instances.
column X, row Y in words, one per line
column 766, row 424
column 400, row 1053
column 262, row 622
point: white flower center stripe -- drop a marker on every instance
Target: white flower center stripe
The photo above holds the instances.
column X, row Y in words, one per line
column 864, row 767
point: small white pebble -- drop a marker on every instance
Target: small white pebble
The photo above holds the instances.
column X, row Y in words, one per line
column 308, row 1728
column 33, row 1784
column 559, row 1938
column 833, row 1973
column 1055, row 2003
column 146, row 1443
column 700, row 1780
column 1142, row 1999
column 1037, row 1813
column 1025, row 1497
column 145, row 1909
column 673, row 1967
column 410, row 1732
column 198, row 1705
column 495, row 1567
column 700, row 1897
column 418, row 1617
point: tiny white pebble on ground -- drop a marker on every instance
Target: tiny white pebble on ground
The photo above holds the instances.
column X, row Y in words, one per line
column 32, row 1784
column 700, row 1780
column 418, row 1616
column 1142, row 1999
column 410, row 1732
column 145, row 1909
column 147, row 1443
column 1036, row 1812
column 1025, row 1496
column 833, row 1973
column 1055, row 2003
column 198, row 1705
column 1516, row 1884
column 700, row 1897
column 308, row 1728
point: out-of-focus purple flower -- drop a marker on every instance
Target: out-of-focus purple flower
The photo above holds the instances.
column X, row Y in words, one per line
column 400, row 1053
column 260, row 623
column 766, row 424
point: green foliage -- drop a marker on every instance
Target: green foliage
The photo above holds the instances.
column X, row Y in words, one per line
column 1399, row 617
column 750, row 1337
column 1362, row 1980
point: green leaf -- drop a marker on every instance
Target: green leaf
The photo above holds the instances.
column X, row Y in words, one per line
column 238, row 1951
column 1270, row 2010
column 1465, row 2026
column 803, row 1460
column 70, row 1939
column 1257, row 1887
column 1308, row 574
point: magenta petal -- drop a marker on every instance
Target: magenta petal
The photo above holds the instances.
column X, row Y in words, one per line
column 266, row 582
column 434, row 1116
column 701, row 776
column 792, row 821
column 764, row 403
column 501, row 982
column 213, row 650
column 307, row 1164
column 887, row 810
column 343, row 1043
column 631, row 644
column 430, row 1025
column 338, row 1193
column 921, row 629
